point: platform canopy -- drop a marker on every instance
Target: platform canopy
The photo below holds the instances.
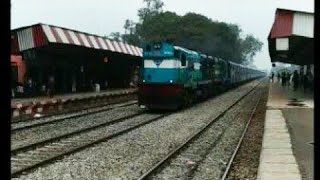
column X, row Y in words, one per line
column 40, row 35
column 291, row 37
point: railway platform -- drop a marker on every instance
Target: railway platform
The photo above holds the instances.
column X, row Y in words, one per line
column 287, row 146
column 23, row 106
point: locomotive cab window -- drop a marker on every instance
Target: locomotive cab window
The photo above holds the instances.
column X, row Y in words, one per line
column 157, row 46
column 183, row 60
column 176, row 54
column 148, row 48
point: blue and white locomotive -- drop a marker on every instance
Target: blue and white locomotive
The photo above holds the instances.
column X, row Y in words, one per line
column 173, row 76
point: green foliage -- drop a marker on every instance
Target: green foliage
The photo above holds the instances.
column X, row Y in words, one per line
column 115, row 36
column 159, row 27
column 153, row 7
column 132, row 39
column 193, row 31
column 250, row 46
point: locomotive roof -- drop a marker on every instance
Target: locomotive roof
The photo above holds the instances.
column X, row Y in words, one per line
column 243, row 66
column 185, row 50
column 210, row 57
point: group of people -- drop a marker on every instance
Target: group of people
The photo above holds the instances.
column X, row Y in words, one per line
column 298, row 80
column 30, row 88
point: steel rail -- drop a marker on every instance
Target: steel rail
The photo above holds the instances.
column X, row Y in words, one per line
column 75, row 149
column 81, row 147
column 240, row 141
column 79, row 131
column 154, row 168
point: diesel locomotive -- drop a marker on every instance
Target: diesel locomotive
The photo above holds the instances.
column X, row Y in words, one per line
column 173, row 77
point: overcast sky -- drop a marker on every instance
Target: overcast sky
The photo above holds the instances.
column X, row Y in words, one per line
column 102, row 17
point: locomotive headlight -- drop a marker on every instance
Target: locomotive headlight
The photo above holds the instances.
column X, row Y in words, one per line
column 143, row 80
column 171, row 81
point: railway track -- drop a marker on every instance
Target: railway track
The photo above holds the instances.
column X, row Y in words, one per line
column 226, row 172
column 186, row 151
column 15, row 127
column 39, row 154
column 78, row 131
column 26, row 158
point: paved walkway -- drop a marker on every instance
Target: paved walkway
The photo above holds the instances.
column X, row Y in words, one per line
column 286, row 150
column 280, row 97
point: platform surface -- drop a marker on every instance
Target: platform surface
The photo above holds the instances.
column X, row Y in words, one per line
column 281, row 97
column 24, row 101
column 287, row 149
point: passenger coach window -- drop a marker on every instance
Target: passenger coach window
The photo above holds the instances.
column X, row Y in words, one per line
column 183, row 60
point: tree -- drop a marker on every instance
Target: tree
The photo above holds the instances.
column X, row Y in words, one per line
column 129, row 27
column 193, row 31
column 153, row 7
column 132, row 39
column 250, row 46
column 126, row 26
column 130, row 36
column 159, row 27
column 115, row 36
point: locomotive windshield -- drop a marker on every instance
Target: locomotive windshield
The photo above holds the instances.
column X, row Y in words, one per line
column 176, row 54
column 183, row 60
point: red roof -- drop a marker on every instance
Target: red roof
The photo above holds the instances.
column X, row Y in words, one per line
column 290, row 22
column 42, row 34
column 282, row 26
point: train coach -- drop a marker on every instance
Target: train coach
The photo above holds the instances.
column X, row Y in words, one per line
column 173, row 77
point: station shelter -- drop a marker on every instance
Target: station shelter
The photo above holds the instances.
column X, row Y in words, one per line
column 291, row 39
column 76, row 60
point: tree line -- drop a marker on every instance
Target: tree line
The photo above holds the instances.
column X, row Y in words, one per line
column 193, row 31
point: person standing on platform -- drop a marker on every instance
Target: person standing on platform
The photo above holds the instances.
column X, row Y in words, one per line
column 283, row 78
column 74, row 85
column 295, row 80
column 106, row 84
column 305, row 82
column 43, row 89
column 51, row 86
column 288, row 79
column 309, row 79
column 301, row 79
column 272, row 76
column 29, row 86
